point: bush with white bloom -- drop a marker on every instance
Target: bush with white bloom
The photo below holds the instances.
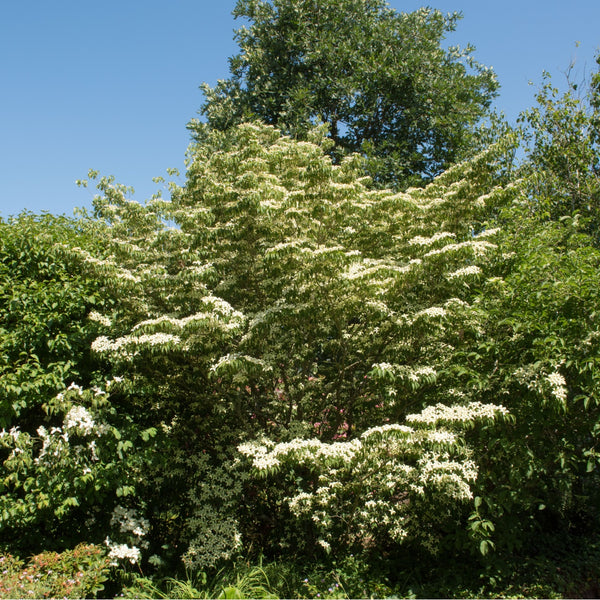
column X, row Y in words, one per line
column 390, row 486
column 330, row 366
column 80, row 464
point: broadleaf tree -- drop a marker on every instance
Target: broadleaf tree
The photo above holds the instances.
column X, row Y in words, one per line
column 382, row 80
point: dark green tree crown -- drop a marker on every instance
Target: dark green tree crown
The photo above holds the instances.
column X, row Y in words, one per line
column 380, row 79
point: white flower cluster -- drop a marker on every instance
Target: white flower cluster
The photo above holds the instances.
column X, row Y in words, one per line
column 433, row 312
column 199, row 268
column 264, row 460
column 380, row 307
column 424, row 372
column 440, row 436
column 265, row 457
column 407, row 373
column 103, row 345
column 323, row 250
column 481, row 200
column 79, row 418
column 488, row 232
column 389, row 427
column 75, row 388
column 261, row 459
column 102, row 319
column 55, row 439
column 239, row 359
column 384, row 366
column 457, row 413
column 222, row 314
column 423, row 241
column 277, row 249
column 478, row 248
column 419, row 373
column 127, row 276
column 368, row 267
column 455, row 302
column 58, row 445
column 465, row 272
column 14, row 433
column 172, row 320
column 451, row 476
column 558, row 385
column 118, row 272
column 122, row 552
column 223, row 307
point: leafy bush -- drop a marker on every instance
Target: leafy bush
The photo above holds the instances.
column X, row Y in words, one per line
column 77, row 573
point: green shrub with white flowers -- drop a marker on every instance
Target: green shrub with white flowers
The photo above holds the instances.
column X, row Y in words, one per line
column 281, row 361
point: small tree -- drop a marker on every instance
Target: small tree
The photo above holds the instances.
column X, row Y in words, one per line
column 562, row 141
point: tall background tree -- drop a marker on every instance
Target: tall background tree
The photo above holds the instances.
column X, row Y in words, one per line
column 382, row 80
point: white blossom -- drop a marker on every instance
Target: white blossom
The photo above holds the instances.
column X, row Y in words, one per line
column 122, row 552
column 76, row 388
column 441, row 436
column 103, row 344
column 103, row 320
column 433, row 311
column 488, row 232
column 464, row 272
column 14, row 433
column 423, row 241
column 558, row 385
column 79, row 418
column 385, row 429
column 457, row 413
column 478, row 248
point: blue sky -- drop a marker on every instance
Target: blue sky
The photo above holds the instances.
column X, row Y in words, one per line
column 110, row 85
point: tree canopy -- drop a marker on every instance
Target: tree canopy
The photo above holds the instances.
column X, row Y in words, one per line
column 382, row 80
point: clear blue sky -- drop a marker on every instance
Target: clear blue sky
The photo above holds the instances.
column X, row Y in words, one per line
column 111, row 84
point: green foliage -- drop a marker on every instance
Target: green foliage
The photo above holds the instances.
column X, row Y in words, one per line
column 562, row 141
column 66, row 451
column 380, row 79
column 77, row 573
column 242, row 582
column 538, row 355
column 45, row 333
column 539, row 350
column 394, row 390
column 58, row 482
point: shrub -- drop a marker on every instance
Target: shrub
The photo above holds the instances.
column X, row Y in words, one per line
column 77, row 573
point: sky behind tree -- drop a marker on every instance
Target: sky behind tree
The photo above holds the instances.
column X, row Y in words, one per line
column 111, row 85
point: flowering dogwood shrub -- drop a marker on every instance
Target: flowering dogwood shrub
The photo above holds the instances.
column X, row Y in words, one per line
column 287, row 359
column 394, row 483
column 293, row 301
